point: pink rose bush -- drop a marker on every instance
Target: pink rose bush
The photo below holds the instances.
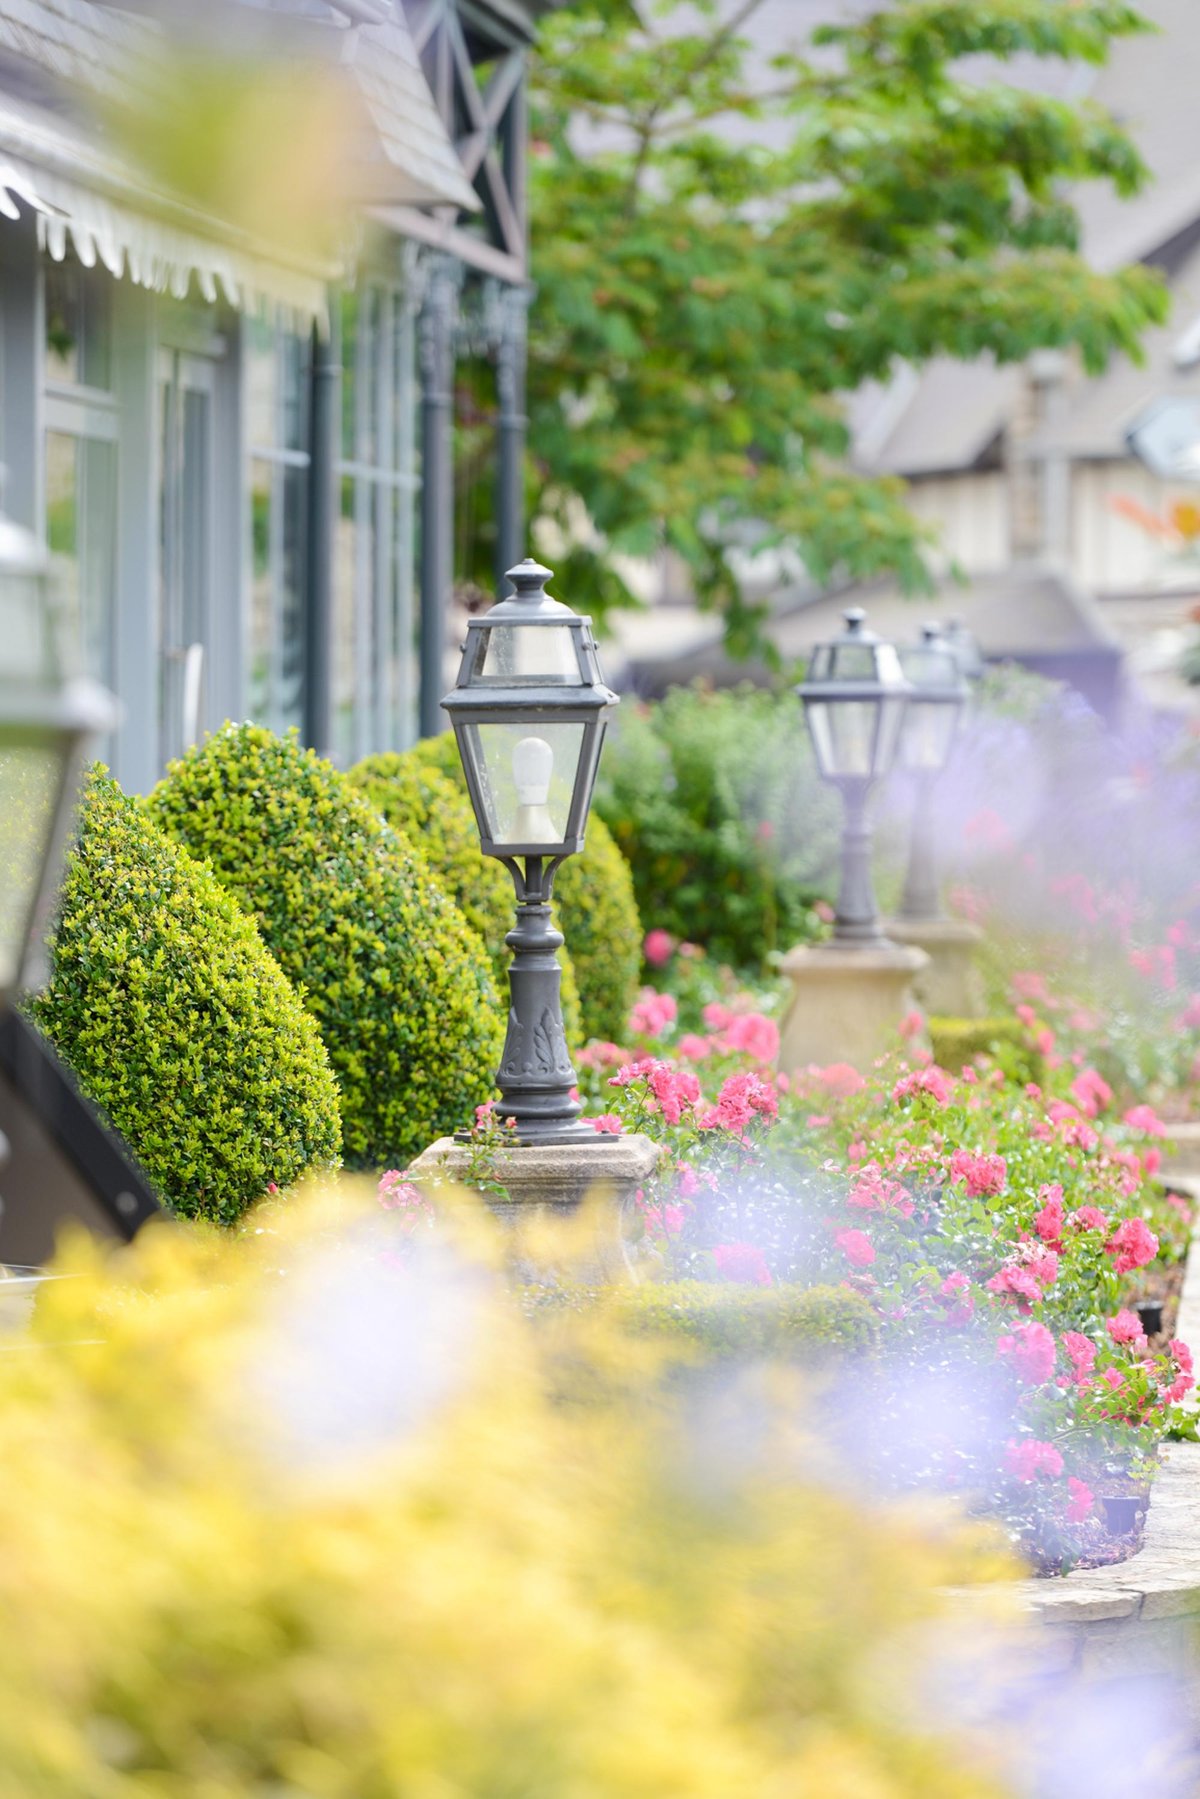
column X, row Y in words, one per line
column 998, row 1227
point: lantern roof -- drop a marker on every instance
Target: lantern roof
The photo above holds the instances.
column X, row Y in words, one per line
column 530, row 652
column 934, row 667
column 855, row 665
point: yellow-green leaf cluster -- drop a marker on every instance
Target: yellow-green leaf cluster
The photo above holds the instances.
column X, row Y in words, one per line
column 548, row 1586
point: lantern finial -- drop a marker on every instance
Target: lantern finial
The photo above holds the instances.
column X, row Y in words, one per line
column 529, row 578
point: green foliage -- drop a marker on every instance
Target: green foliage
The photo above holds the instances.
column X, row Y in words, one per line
column 397, row 981
column 177, row 1021
column 704, row 302
column 435, row 815
column 732, row 1320
column 716, row 803
column 597, row 911
column 956, row 1042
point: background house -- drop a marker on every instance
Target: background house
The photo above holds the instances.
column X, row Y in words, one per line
column 1018, row 468
column 241, row 455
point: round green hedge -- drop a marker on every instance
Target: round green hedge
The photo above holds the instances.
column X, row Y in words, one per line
column 178, row 1022
column 435, row 814
column 596, row 908
column 397, row 981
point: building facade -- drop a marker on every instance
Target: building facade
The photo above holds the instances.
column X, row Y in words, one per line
column 240, row 459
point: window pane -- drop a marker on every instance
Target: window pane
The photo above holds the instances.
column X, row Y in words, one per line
column 528, row 778
column 259, row 673
column 81, row 492
column 78, row 324
column 260, row 363
column 290, row 711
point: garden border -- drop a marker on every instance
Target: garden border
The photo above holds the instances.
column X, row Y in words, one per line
column 1138, row 1606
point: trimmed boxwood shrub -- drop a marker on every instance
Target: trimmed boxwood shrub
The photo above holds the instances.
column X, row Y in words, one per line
column 732, row 1320
column 597, row 911
column 956, row 1042
column 398, row 983
column 178, row 1022
column 436, row 816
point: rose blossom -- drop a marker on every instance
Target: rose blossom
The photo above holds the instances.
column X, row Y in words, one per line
column 932, row 1080
column 1081, row 1353
column 1081, row 1500
column 856, row 1246
column 1132, row 1245
column 658, row 947
column 753, row 1035
column 1048, row 1222
column 1030, row 1348
column 1145, row 1118
column 742, row 1262
column 608, row 1122
column 841, row 1080
column 667, row 1219
column 692, row 1048
column 652, row 1013
column 1029, row 1458
column 1089, row 1218
column 1126, row 1327
column 1092, row 1092
column 982, row 1175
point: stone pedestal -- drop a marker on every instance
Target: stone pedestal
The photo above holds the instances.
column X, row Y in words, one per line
column 950, row 987
column 847, row 1002
column 599, row 1177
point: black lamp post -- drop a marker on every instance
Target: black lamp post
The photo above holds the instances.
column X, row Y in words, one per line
column 45, row 724
column 854, row 698
column 529, row 713
column 926, row 738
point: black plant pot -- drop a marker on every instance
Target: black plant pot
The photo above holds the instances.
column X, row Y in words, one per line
column 1151, row 1314
column 1120, row 1512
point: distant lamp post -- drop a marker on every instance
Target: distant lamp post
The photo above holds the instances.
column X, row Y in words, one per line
column 966, row 648
column 926, row 739
column 529, row 713
column 855, row 695
column 45, row 725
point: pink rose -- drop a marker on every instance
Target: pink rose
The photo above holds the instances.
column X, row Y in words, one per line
column 658, row 948
column 1081, row 1353
column 1028, row 1458
column 932, row 1080
column 1091, row 1091
column 1126, row 1327
column 1132, row 1245
column 841, row 1080
column 983, row 1176
column 652, row 1013
column 692, row 1048
column 608, row 1122
column 753, row 1035
column 1080, row 1502
column 1145, row 1118
column 1030, row 1349
column 856, row 1246
column 742, row 1262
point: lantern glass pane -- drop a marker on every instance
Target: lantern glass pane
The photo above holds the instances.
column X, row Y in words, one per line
column 843, row 733
column 30, row 779
column 26, row 642
column 891, row 719
column 527, row 776
column 927, row 735
column 854, row 662
column 542, row 653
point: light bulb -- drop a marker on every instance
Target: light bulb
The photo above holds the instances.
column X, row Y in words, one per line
column 533, row 766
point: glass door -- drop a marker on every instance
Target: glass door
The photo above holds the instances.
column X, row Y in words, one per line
column 187, row 386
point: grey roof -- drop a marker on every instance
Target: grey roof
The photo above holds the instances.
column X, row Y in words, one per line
column 953, row 409
column 101, row 50
column 1026, row 612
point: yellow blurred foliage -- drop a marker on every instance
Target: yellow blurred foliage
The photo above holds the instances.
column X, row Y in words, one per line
column 269, row 1526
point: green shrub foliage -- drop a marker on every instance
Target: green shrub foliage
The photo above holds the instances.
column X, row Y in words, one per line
column 597, row 911
column 715, row 801
column 397, row 981
column 178, row 1022
column 436, row 816
column 806, row 1323
column 956, row 1042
